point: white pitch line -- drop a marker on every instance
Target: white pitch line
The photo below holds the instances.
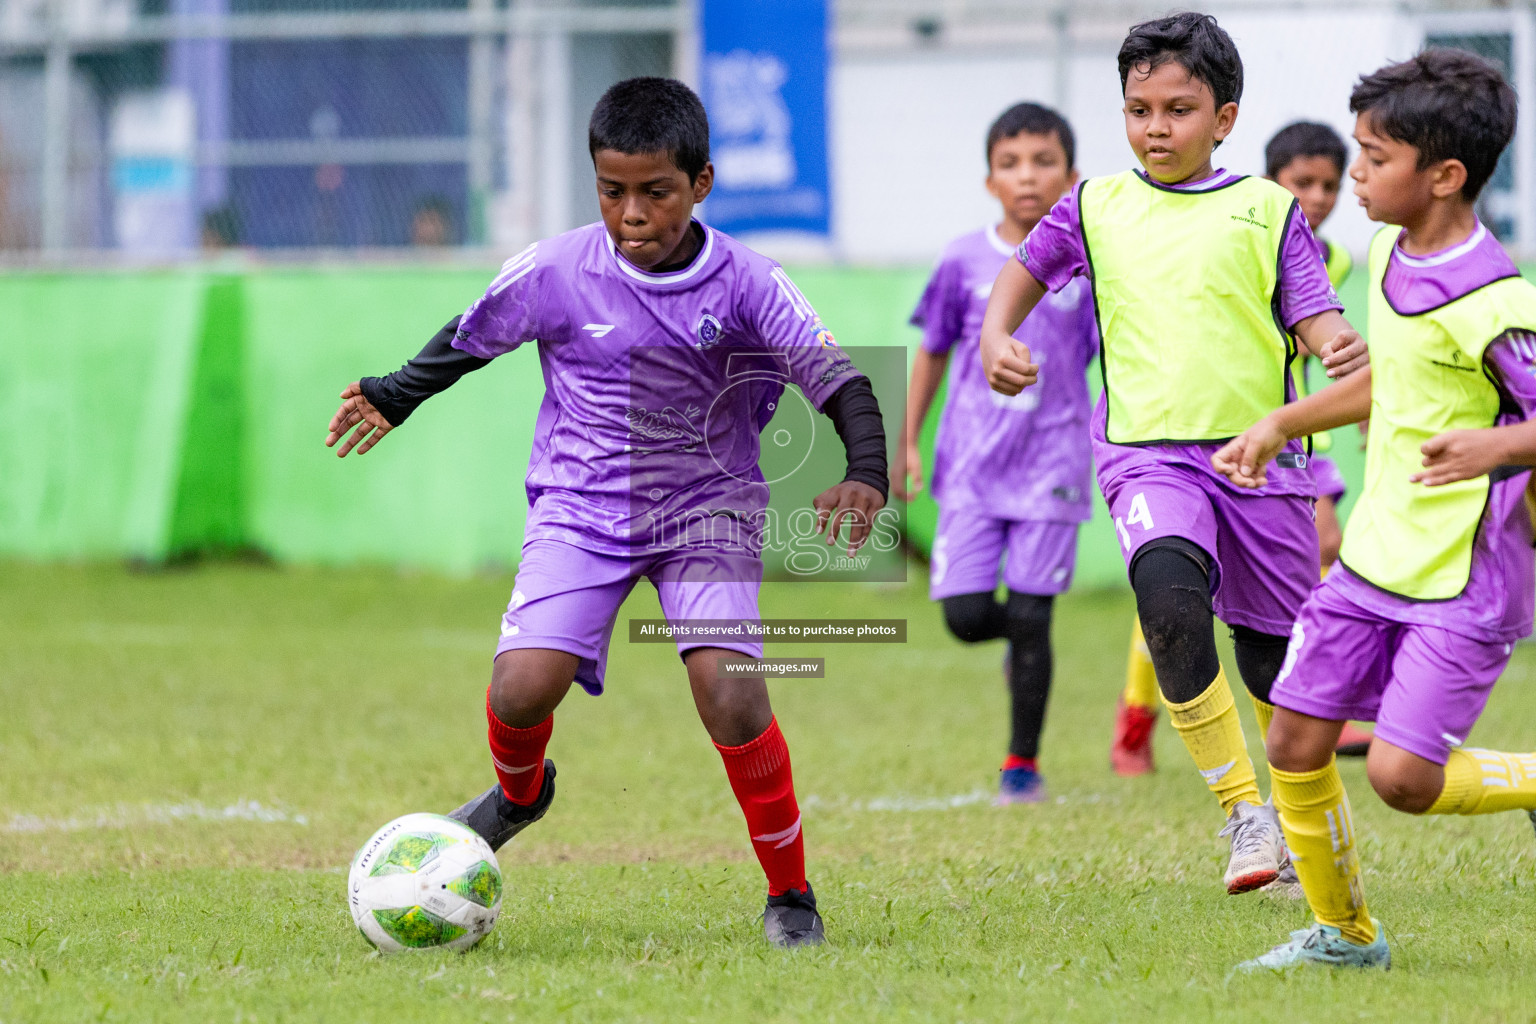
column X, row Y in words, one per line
column 154, row 814
column 903, row 804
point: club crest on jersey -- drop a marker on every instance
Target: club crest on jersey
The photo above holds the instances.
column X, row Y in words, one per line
column 708, row 331
column 824, row 337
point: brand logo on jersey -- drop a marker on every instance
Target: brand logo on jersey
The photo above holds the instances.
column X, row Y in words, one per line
column 598, row 330
column 1252, row 218
column 1456, row 363
column 708, row 331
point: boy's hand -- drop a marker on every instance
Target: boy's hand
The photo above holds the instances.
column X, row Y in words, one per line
column 912, row 470
column 1242, row 459
column 1460, row 455
column 849, row 501
column 1007, row 363
column 1345, row 354
column 355, row 409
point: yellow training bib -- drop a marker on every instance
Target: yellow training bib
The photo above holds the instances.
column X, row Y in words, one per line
column 1184, row 284
column 1427, row 378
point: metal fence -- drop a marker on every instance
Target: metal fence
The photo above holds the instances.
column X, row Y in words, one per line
column 159, row 129
column 162, row 127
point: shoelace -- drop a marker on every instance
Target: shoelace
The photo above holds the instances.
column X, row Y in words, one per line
column 1247, row 833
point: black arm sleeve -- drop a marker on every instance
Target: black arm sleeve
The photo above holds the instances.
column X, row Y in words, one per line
column 856, row 415
column 434, row 369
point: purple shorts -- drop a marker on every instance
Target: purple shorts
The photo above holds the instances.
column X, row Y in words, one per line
column 1263, row 548
column 968, row 546
column 1423, row 686
column 1325, row 473
column 566, row 598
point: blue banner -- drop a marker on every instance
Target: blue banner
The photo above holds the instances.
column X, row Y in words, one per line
column 765, row 88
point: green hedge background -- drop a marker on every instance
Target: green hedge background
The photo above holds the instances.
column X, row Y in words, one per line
column 150, row 414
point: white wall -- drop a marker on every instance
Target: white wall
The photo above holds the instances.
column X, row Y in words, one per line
column 908, row 148
column 909, row 126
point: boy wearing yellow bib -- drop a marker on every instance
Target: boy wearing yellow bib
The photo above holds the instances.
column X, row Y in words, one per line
column 1308, row 160
column 1202, row 283
column 1435, row 578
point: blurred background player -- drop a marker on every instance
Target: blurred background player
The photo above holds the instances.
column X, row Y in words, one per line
column 1198, row 275
column 1308, row 159
column 637, row 317
column 1435, row 578
column 1010, row 474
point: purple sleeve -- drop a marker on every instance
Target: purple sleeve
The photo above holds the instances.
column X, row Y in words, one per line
column 788, row 325
column 1053, row 252
column 1512, row 358
column 941, row 310
column 507, row 314
column 1304, row 286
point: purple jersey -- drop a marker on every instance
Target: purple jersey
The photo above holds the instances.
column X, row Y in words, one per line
column 1496, row 605
column 1024, row 457
column 656, row 386
column 1055, row 254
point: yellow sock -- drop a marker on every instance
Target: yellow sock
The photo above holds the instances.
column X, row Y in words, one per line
column 1314, row 813
column 1140, row 676
column 1265, row 713
column 1210, row 728
column 1481, row 781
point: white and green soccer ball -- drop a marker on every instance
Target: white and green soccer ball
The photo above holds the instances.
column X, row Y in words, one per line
column 424, row 881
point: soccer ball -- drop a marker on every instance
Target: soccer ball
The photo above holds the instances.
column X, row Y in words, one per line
column 424, row 882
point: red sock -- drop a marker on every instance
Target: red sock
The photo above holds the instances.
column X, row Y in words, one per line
column 518, row 755
column 761, row 779
column 1013, row 761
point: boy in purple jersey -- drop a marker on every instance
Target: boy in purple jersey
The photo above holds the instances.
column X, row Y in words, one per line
column 654, row 333
column 1203, row 282
column 1010, row 474
column 1435, row 577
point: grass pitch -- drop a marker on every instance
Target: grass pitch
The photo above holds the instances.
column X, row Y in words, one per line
column 188, row 760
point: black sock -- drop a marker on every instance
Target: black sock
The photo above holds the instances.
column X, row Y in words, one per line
column 1029, row 679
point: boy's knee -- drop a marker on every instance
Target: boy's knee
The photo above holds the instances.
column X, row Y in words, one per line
column 1402, row 788
column 972, row 617
column 1294, row 750
column 525, row 688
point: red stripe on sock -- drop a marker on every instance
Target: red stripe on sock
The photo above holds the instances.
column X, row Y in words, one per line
column 761, row 778
column 518, row 755
column 1013, row 761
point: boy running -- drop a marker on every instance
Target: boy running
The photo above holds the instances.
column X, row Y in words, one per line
column 645, row 462
column 1200, row 279
column 1434, row 581
column 1308, row 160
column 1010, row 474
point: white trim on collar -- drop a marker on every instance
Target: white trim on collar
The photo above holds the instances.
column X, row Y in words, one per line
column 672, row 277
column 997, row 241
column 1217, row 178
column 1444, row 255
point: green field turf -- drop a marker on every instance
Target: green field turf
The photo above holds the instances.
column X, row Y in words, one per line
column 189, row 758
